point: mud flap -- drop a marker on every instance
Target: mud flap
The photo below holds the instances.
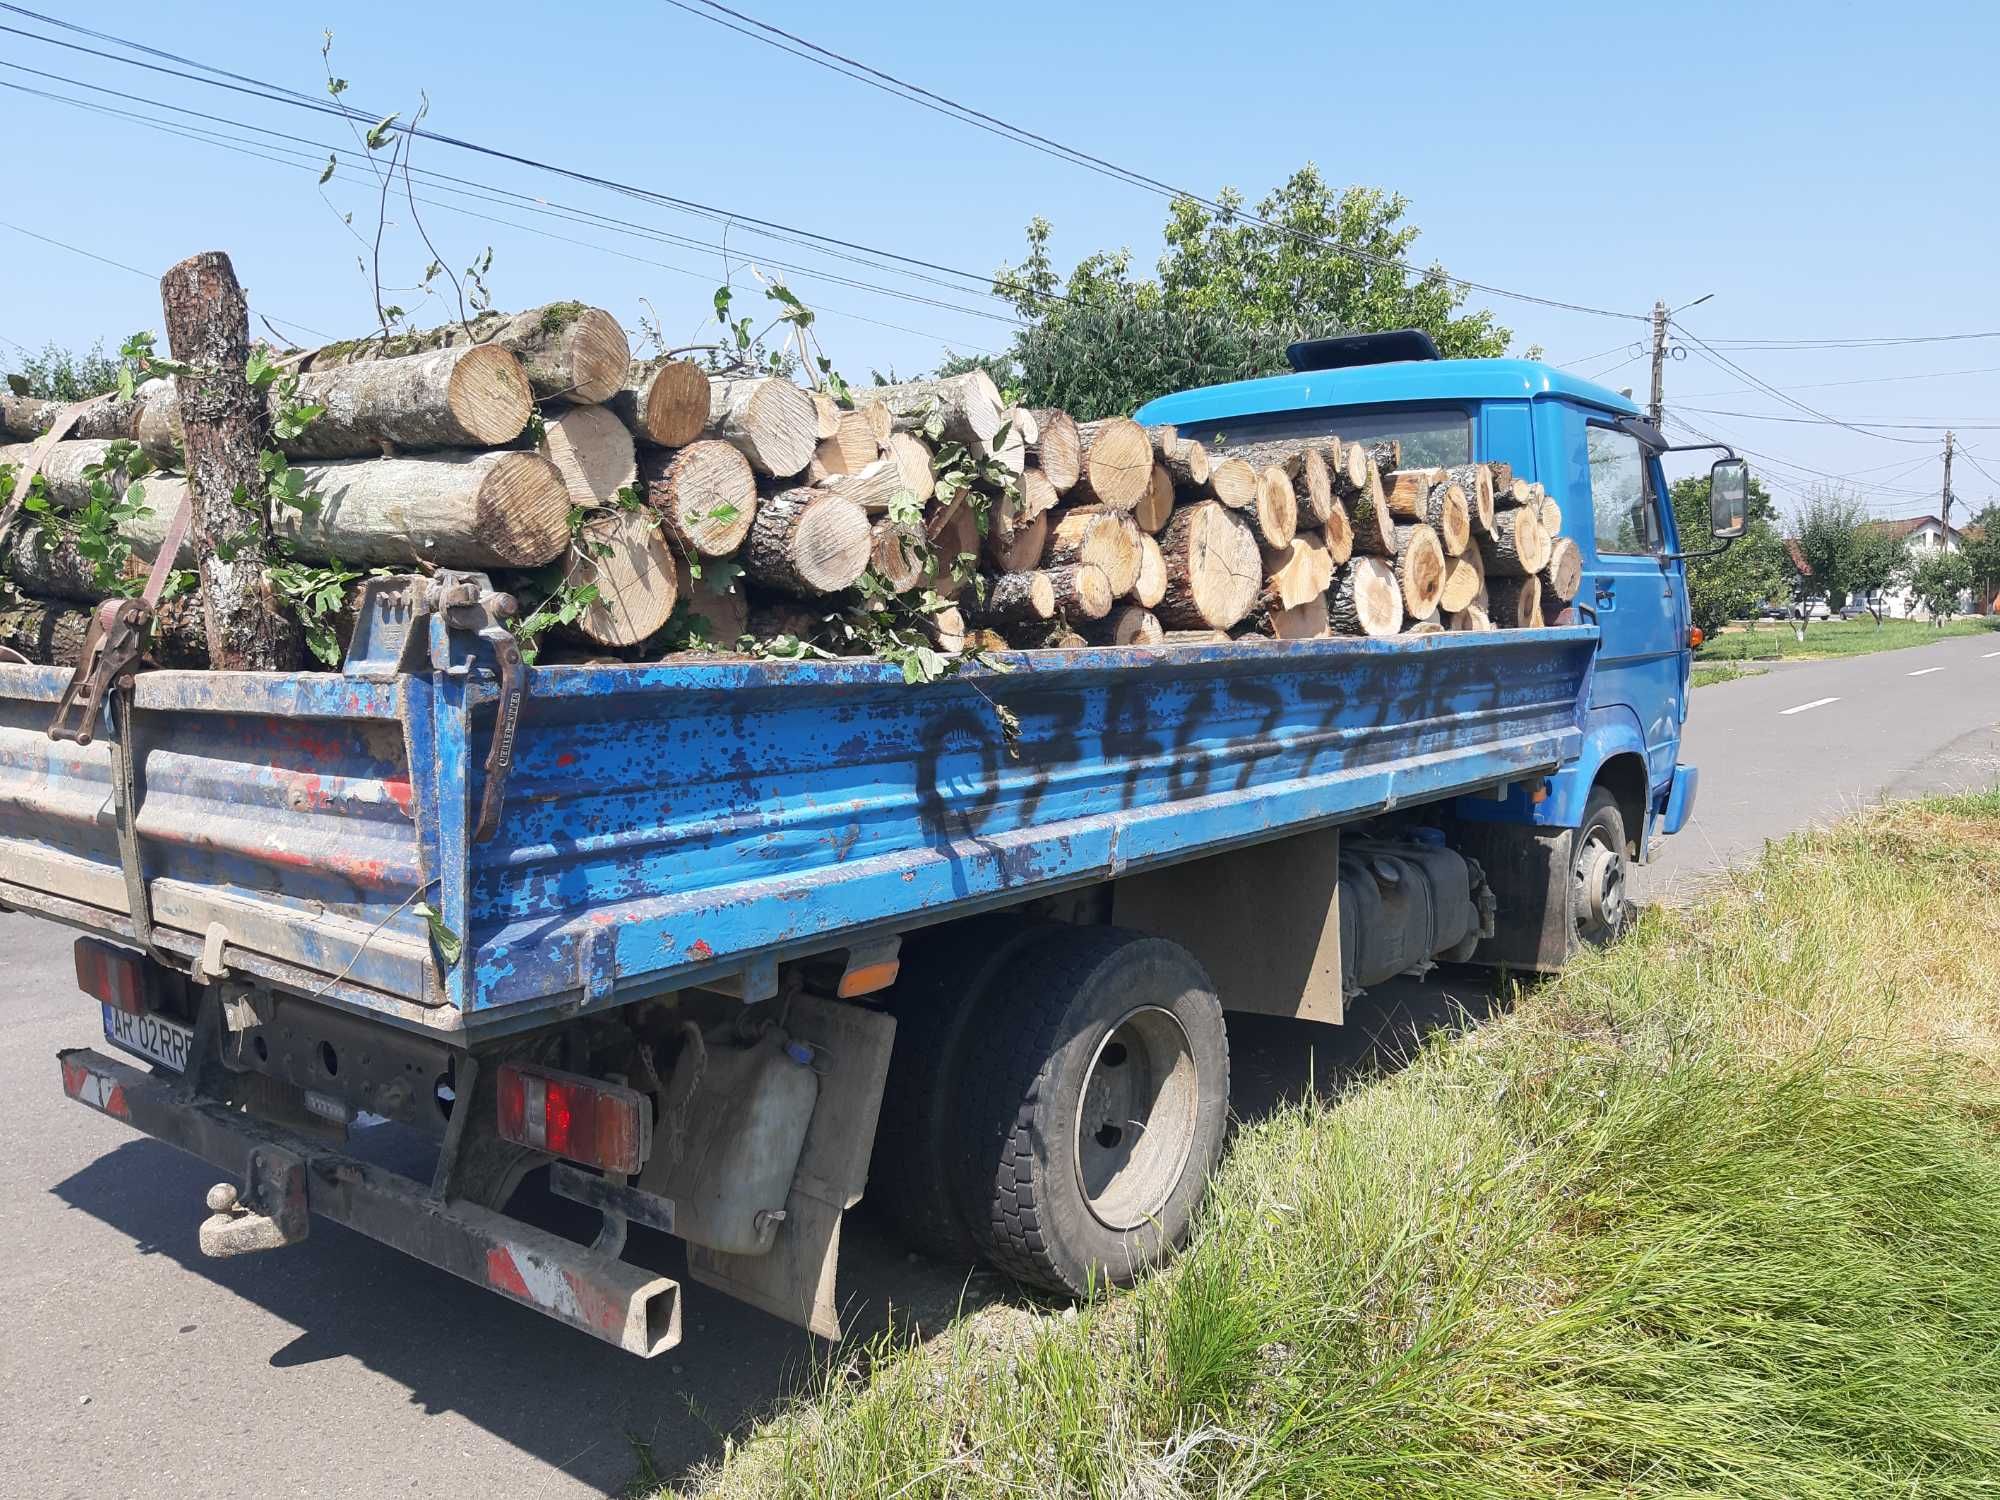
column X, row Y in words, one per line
column 795, row 1281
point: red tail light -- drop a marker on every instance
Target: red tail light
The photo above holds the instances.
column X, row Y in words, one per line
column 117, row 976
column 602, row 1125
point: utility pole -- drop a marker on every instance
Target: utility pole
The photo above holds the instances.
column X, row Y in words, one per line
column 1656, row 412
column 1945, row 540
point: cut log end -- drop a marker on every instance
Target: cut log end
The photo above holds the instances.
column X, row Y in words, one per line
column 1420, row 568
column 627, row 559
column 523, row 510
column 1214, row 568
column 1365, row 599
column 808, row 542
column 1117, row 459
column 665, row 403
column 705, row 494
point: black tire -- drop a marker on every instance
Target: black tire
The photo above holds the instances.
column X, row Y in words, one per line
column 919, row 1162
column 1136, row 1018
column 1600, row 866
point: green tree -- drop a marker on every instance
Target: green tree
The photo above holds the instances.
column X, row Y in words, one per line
column 1730, row 585
column 1938, row 580
column 1880, row 560
column 56, row 374
column 1830, row 528
column 1230, row 294
column 1980, row 545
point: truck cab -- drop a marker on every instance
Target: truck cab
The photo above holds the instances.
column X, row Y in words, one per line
column 1600, row 462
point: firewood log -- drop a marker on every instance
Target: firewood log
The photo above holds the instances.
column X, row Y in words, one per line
column 1126, row 625
column 716, row 607
column 1057, row 450
column 594, row 453
column 1233, row 482
column 663, row 401
column 771, row 422
column 1347, row 464
column 807, row 542
column 826, row 412
column 570, row 352
column 1477, row 482
column 852, row 447
column 1214, row 569
column 1551, row 516
column 874, row 486
column 1503, row 476
column 1365, row 599
column 1515, row 603
column 1292, row 574
column 1419, row 569
column 913, row 458
column 953, row 533
column 1117, row 458
column 1562, row 574
column 1302, row 622
column 1407, row 491
column 1387, row 455
column 1373, row 527
column 1158, row 502
column 1186, row 460
column 1081, row 592
column 1447, row 513
column 895, row 553
column 1101, row 536
column 473, row 396
column 1019, row 599
column 624, row 554
column 1274, row 517
column 1472, row 617
column 1014, row 544
column 1338, row 531
column 1464, row 576
column 1151, row 585
column 960, row 408
column 52, row 634
column 1518, row 545
column 705, row 495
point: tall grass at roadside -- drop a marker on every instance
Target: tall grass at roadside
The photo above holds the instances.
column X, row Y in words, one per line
column 1717, row 1213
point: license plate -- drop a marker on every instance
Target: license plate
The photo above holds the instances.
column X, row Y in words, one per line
column 152, row 1037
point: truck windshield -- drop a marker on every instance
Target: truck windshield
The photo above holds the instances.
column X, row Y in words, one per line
column 1431, row 436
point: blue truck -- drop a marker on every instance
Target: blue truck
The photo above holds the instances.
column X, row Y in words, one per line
column 719, row 944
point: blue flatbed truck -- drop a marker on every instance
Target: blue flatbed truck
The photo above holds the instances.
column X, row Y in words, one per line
column 732, row 930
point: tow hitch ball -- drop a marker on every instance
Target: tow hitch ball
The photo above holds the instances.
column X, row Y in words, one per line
column 268, row 1213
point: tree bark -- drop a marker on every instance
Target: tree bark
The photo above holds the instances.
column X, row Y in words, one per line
column 1081, row 592
column 1515, row 603
column 1214, row 568
column 1562, row 574
column 1386, row 456
column 771, row 422
column 1018, row 599
column 1105, row 538
column 471, row 396
column 51, row 633
column 705, row 495
column 48, row 567
column 625, row 555
column 1373, row 527
column 570, row 352
column 1503, row 476
column 962, row 408
column 1518, row 545
column 1419, row 569
column 1348, row 464
column 1057, row 449
column 1365, row 599
column 1117, row 459
column 807, row 542
column 225, row 428
column 663, row 401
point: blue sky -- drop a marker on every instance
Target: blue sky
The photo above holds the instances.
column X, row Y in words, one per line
column 1826, row 171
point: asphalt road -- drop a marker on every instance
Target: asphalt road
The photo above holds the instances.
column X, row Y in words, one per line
column 132, row 1366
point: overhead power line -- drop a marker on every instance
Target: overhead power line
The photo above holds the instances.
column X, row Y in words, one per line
column 1827, row 385
column 1852, row 343
column 1722, row 360
column 848, row 67
column 1760, row 416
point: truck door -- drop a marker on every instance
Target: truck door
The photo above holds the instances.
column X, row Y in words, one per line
column 1631, row 586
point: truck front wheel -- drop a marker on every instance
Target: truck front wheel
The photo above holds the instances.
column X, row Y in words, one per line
column 1599, row 909
column 1098, row 1090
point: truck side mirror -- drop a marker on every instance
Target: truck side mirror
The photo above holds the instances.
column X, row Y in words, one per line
column 1728, row 498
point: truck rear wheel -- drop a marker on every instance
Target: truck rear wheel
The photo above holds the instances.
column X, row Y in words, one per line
column 916, row 1176
column 1098, row 1090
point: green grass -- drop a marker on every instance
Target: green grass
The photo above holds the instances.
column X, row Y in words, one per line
column 1714, row 1214
column 1773, row 640
column 1708, row 673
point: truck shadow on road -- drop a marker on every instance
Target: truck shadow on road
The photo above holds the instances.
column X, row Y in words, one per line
column 587, row 1409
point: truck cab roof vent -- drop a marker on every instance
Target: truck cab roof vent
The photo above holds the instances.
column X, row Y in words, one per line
column 1361, row 349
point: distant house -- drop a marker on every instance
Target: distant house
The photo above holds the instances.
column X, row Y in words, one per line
column 1920, row 534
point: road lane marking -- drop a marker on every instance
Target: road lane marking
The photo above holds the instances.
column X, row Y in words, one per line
column 1816, row 703
column 1990, row 655
column 1923, row 672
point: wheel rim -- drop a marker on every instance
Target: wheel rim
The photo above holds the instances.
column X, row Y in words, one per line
column 1600, row 887
column 1135, row 1118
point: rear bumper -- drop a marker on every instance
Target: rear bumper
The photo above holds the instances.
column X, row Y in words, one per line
column 610, row 1299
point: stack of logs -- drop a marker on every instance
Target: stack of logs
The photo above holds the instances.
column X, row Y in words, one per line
column 533, row 440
